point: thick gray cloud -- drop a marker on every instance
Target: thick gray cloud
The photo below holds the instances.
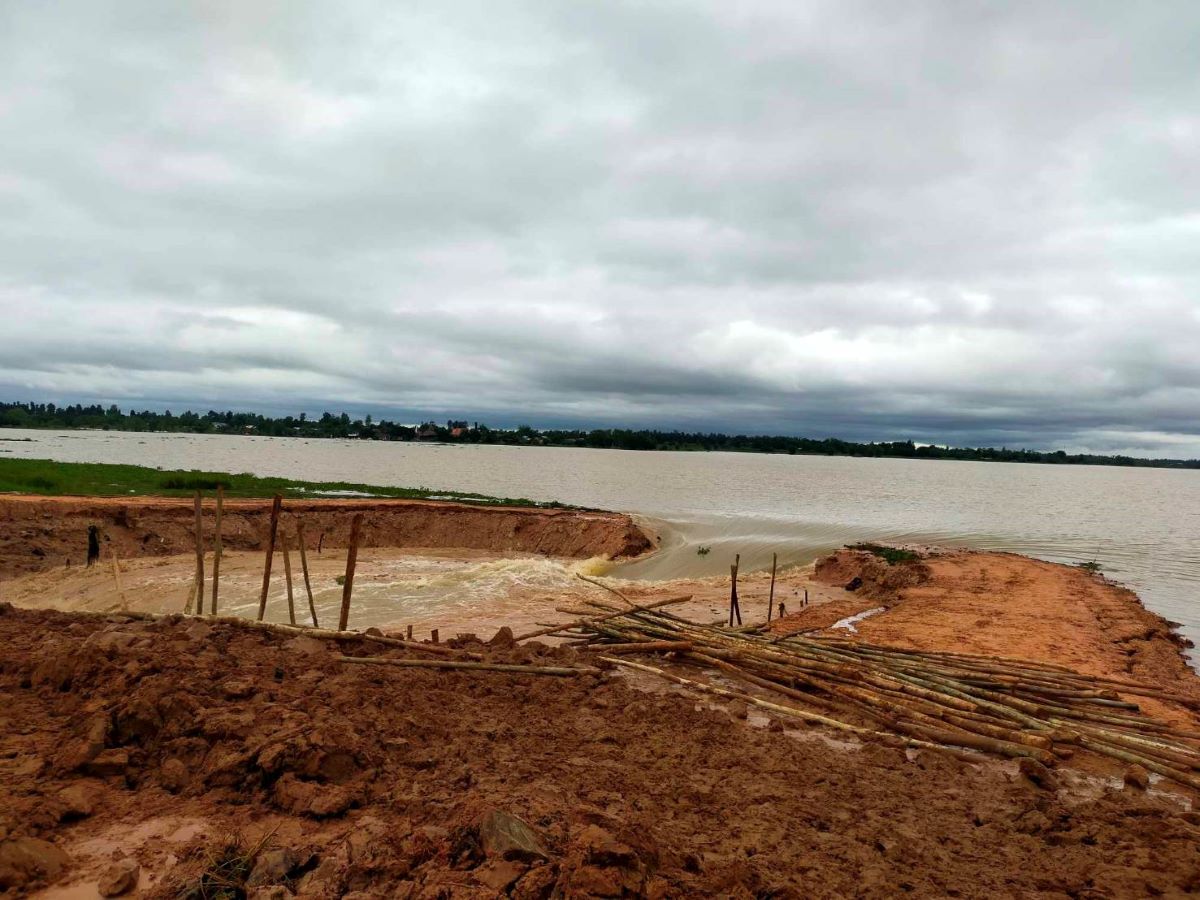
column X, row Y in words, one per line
column 954, row 221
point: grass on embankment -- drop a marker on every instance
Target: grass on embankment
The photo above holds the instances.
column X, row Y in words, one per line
column 44, row 476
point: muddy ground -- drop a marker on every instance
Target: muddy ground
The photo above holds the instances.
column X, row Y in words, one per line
column 43, row 533
column 148, row 744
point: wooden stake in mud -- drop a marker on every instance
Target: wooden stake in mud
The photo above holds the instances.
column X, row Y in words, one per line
column 312, row 609
column 266, row 585
column 734, row 608
column 199, row 556
column 351, row 561
column 434, row 634
column 217, row 550
column 408, row 633
column 771, row 597
column 287, row 574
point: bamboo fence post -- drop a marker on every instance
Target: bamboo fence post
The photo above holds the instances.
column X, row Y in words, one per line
column 734, row 608
column 771, row 596
column 351, row 561
column 199, row 555
column 287, row 574
column 266, row 585
column 217, row 550
column 312, row 608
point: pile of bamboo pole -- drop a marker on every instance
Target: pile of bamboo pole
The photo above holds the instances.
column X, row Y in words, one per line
column 1001, row 705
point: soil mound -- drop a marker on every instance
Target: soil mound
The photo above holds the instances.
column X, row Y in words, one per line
column 160, row 742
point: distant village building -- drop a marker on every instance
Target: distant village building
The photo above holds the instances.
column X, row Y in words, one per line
column 426, row 433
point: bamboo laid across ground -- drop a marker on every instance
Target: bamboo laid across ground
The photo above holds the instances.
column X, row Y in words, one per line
column 997, row 705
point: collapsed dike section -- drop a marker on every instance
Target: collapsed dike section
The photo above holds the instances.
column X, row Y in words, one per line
column 40, row 533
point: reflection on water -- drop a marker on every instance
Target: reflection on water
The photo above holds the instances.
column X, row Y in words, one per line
column 1141, row 525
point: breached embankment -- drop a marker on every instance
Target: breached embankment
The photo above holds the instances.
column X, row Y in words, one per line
column 40, row 533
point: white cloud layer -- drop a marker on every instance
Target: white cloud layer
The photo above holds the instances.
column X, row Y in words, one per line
column 952, row 221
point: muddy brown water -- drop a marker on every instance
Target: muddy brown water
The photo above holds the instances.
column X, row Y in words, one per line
column 1142, row 526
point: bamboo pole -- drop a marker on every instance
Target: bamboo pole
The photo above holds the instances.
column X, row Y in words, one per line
column 734, row 609
column 592, row 619
column 276, row 504
column 351, row 561
column 199, row 554
column 287, row 574
column 471, row 666
column 312, row 608
column 217, row 550
column 771, row 595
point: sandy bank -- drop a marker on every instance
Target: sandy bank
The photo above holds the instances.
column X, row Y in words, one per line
column 1003, row 604
column 152, row 741
column 40, row 533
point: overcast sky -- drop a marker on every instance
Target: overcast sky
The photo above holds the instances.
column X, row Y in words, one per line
column 951, row 221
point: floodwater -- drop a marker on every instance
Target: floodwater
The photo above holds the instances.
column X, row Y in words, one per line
column 1141, row 525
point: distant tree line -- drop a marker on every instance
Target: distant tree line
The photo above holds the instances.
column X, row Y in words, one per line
column 111, row 418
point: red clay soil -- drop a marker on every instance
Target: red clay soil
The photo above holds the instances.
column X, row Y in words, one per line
column 1007, row 605
column 152, row 741
column 38, row 533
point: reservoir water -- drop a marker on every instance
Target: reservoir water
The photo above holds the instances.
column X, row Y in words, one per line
column 1142, row 526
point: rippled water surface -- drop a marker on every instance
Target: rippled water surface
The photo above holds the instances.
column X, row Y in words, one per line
column 1141, row 525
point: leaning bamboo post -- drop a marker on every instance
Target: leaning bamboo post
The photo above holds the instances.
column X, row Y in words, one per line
column 199, row 555
column 287, row 574
column 266, row 585
column 217, row 550
column 771, row 597
column 351, row 561
column 312, row 608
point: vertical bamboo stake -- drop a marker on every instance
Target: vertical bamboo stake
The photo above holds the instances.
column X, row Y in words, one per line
column 304, row 565
column 262, row 598
column 199, row 556
column 217, row 551
column 771, row 598
column 287, row 574
column 734, row 608
column 351, row 561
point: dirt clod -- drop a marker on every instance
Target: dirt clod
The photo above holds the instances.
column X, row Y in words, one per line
column 1137, row 777
column 119, row 878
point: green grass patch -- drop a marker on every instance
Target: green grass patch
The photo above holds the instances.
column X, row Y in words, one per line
column 55, row 479
column 890, row 555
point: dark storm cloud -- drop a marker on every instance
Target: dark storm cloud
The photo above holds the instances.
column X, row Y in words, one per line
column 955, row 221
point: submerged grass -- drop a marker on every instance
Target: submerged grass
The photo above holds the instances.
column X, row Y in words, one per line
column 890, row 555
column 50, row 478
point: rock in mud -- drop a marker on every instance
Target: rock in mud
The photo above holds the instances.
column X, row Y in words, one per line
column 79, row 800
column 1137, row 777
column 119, row 878
column 24, row 860
column 272, row 867
column 1037, row 773
column 109, row 763
column 174, row 775
column 503, row 638
column 504, row 836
